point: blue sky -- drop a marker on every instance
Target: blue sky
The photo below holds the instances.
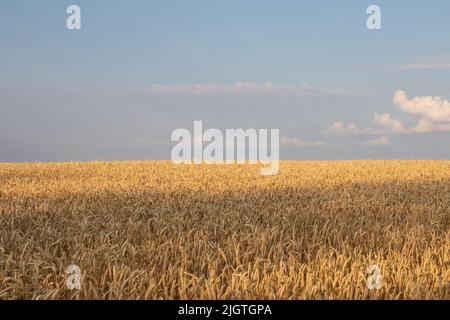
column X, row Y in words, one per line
column 92, row 94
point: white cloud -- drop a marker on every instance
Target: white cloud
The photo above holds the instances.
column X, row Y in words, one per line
column 434, row 112
column 247, row 88
column 296, row 142
column 340, row 129
column 381, row 141
column 431, row 108
column 434, row 115
column 385, row 121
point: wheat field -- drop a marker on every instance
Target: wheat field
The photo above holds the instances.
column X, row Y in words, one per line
column 155, row 230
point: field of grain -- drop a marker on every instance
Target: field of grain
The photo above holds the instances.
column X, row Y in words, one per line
column 155, row 230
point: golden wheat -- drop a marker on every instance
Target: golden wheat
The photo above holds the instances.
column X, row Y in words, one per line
column 155, row 230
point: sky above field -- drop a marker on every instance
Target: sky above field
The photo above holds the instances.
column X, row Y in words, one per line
column 137, row 70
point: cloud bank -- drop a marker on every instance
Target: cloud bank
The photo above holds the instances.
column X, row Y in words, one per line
column 340, row 129
column 247, row 88
column 381, row 141
column 427, row 66
column 297, row 142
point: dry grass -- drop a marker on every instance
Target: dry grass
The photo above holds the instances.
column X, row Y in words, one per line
column 151, row 230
